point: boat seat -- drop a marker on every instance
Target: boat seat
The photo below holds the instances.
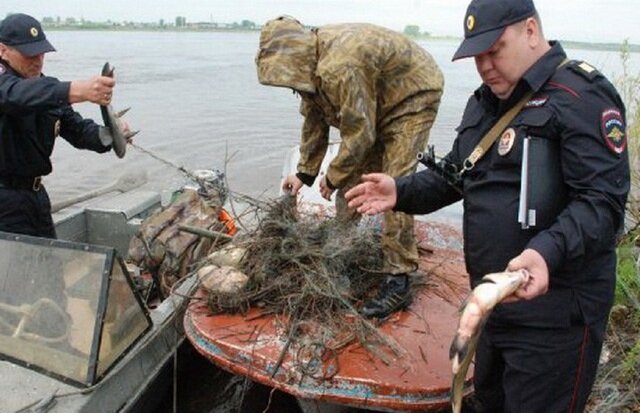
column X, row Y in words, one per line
column 116, row 219
column 110, row 219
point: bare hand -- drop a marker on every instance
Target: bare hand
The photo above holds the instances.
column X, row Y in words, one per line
column 98, row 89
column 291, row 185
column 538, row 284
column 325, row 191
column 376, row 194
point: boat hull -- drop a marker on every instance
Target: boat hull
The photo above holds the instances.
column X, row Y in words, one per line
column 418, row 378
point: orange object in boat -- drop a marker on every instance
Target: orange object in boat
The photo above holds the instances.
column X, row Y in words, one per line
column 228, row 222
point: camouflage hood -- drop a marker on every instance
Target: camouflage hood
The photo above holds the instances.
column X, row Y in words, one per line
column 287, row 55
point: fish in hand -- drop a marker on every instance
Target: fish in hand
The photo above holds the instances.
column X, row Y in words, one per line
column 492, row 289
column 119, row 133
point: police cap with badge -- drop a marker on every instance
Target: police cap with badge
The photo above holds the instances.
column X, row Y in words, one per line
column 24, row 33
column 486, row 20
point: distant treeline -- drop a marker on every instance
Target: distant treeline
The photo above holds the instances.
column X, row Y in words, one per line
column 180, row 24
column 415, row 32
column 614, row 47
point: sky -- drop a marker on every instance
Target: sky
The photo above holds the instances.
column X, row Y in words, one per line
column 603, row 21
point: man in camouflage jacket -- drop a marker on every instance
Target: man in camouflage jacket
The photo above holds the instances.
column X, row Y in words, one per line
column 382, row 92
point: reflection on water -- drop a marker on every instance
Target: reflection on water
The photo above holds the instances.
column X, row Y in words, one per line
column 196, row 99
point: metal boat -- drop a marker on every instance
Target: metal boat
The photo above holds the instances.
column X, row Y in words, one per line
column 75, row 336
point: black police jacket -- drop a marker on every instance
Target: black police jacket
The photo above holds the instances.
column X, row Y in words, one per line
column 577, row 111
column 33, row 112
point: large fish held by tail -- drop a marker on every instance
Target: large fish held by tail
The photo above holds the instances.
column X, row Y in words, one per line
column 113, row 122
column 492, row 289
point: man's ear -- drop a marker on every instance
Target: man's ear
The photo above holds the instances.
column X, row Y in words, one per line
column 533, row 32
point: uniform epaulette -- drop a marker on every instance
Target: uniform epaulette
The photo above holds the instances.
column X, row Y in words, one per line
column 584, row 69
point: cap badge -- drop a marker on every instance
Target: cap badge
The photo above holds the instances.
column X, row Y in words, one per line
column 613, row 130
column 471, row 22
column 34, row 32
column 506, row 142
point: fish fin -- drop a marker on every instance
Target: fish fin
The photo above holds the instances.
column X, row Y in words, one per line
column 459, row 347
column 122, row 112
column 130, row 135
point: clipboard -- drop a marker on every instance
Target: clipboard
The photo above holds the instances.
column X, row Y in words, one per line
column 543, row 194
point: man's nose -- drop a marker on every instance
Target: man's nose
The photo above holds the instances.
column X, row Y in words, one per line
column 38, row 57
column 483, row 62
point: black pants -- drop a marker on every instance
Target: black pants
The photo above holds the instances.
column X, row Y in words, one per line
column 526, row 370
column 25, row 211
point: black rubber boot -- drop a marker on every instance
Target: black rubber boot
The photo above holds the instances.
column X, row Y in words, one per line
column 394, row 295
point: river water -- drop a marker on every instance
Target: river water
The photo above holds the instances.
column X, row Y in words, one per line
column 196, row 100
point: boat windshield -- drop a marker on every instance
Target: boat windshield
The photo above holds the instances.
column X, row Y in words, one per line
column 66, row 309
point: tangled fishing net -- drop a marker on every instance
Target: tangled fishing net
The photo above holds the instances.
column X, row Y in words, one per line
column 313, row 270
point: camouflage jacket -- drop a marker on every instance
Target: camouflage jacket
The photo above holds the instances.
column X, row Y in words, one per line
column 355, row 77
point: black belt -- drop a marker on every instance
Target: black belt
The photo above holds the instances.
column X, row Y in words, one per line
column 21, row 182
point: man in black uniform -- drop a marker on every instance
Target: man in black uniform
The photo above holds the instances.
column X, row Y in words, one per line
column 34, row 110
column 538, row 353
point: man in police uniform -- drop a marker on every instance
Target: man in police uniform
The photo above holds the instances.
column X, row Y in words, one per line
column 382, row 91
column 538, row 353
column 34, row 110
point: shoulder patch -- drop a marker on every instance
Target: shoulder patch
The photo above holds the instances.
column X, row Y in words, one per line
column 584, row 69
column 613, row 130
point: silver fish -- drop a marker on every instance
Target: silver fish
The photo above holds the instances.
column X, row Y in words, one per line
column 112, row 120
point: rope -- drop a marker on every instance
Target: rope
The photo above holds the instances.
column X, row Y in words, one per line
column 167, row 162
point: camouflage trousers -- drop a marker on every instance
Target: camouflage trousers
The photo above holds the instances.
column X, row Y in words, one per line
column 395, row 152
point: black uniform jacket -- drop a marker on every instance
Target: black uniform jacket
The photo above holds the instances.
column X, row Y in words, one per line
column 576, row 111
column 33, row 112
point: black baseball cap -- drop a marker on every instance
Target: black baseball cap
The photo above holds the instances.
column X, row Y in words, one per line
column 486, row 20
column 24, row 33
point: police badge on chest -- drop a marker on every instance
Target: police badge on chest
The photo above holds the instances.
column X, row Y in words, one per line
column 505, row 144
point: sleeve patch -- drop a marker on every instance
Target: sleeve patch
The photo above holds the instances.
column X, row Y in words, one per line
column 613, row 130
